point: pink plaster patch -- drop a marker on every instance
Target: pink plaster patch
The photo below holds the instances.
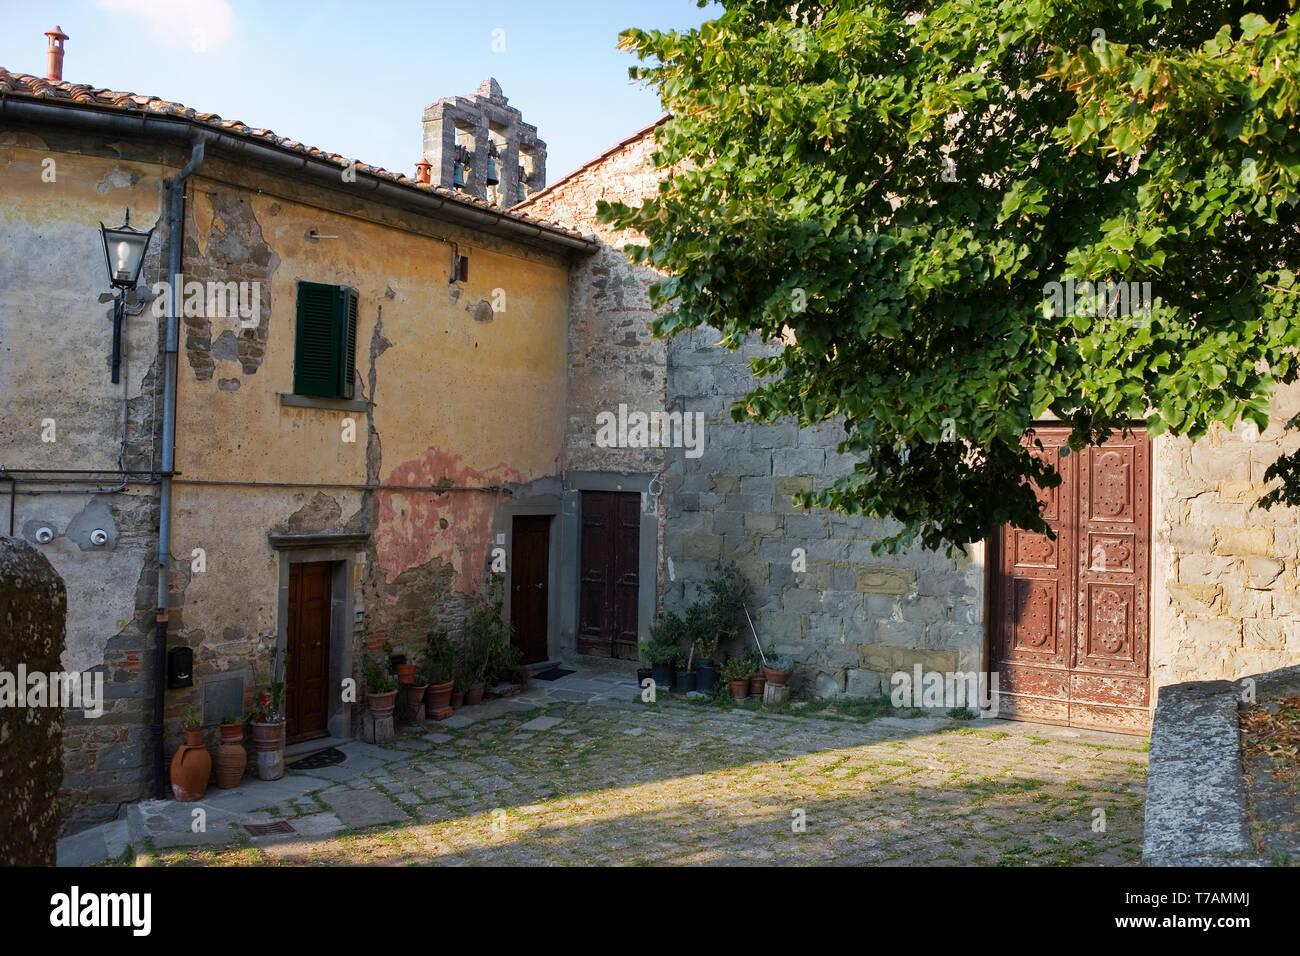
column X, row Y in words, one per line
column 410, row 532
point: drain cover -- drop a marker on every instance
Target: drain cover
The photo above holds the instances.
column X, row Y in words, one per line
column 265, row 829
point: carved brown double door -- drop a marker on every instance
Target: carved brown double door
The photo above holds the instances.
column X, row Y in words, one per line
column 1071, row 615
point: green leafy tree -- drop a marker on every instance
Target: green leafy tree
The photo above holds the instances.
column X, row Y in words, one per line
column 907, row 188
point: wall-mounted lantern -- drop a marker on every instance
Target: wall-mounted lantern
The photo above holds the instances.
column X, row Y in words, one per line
column 124, row 249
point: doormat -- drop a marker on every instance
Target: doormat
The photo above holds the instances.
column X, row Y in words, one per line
column 555, row 673
column 321, row 758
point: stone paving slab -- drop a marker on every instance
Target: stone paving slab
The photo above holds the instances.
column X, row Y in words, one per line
column 363, row 808
column 542, row 723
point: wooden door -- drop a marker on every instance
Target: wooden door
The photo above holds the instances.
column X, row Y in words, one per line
column 609, row 584
column 1070, row 616
column 306, row 682
column 529, row 598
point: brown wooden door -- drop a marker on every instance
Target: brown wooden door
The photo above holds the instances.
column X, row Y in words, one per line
column 609, row 585
column 1070, row 615
column 529, row 600
column 306, row 684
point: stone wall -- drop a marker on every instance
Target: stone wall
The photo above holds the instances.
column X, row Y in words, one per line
column 613, row 358
column 849, row 619
column 62, row 411
column 1225, row 573
column 34, row 607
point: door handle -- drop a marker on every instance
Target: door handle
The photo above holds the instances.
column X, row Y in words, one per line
column 540, row 585
column 315, row 644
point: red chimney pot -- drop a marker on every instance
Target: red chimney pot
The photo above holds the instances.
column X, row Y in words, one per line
column 55, row 68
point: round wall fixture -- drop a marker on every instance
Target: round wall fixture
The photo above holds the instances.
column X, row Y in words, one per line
column 44, row 535
column 99, row 536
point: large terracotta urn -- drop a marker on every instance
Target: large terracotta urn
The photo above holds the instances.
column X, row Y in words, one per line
column 269, row 740
column 190, row 768
column 231, row 758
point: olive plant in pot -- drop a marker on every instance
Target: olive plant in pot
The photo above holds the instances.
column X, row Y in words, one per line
column 729, row 594
column 703, row 637
column 736, row 672
column 486, row 636
column 440, row 663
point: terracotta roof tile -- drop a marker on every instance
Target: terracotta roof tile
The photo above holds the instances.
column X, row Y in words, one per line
column 25, row 85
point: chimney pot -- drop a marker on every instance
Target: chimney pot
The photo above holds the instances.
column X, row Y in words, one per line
column 54, row 71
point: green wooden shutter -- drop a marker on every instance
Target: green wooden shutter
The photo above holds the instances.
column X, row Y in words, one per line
column 316, row 346
column 347, row 371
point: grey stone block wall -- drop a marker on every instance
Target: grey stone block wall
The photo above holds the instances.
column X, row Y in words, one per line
column 849, row 619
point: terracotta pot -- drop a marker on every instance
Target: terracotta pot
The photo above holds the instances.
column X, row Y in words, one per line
column 437, row 702
column 776, row 677
column 756, row 683
column 231, row 759
column 457, row 699
column 474, row 695
column 381, row 705
column 738, row 688
column 268, row 739
column 190, row 768
column 406, row 673
column 415, row 694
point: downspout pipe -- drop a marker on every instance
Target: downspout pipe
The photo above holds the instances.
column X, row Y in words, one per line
column 175, row 248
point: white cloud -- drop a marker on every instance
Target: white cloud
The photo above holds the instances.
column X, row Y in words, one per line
column 202, row 25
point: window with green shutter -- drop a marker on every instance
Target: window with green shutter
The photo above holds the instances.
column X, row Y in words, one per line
column 325, row 347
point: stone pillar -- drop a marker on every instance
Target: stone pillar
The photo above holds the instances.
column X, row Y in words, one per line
column 34, row 610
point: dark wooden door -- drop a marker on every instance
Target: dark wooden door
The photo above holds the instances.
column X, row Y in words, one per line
column 610, row 574
column 306, row 682
column 1070, row 616
column 529, row 598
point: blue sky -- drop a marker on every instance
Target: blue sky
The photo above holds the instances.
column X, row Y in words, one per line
column 354, row 77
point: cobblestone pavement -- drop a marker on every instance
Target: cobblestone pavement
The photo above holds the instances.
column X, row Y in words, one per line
column 622, row 782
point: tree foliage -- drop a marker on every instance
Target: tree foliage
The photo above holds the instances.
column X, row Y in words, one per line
column 899, row 184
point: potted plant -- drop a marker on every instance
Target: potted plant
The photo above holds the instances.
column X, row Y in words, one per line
column 756, row 678
column 511, row 666
column 703, row 636
column 381, row 688
column 416, row 689
column 778, row 669
column 440, row 667
column 267, row 721
column 459, row 686
column 662, row 652
column 231, row 759
column 736, row 672
column 487, row 637
column 684, row 682
column 403, row 665
column 192, row 763
column 729, row 594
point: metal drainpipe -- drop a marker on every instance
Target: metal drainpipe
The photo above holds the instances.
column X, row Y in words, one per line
column 175, row 245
